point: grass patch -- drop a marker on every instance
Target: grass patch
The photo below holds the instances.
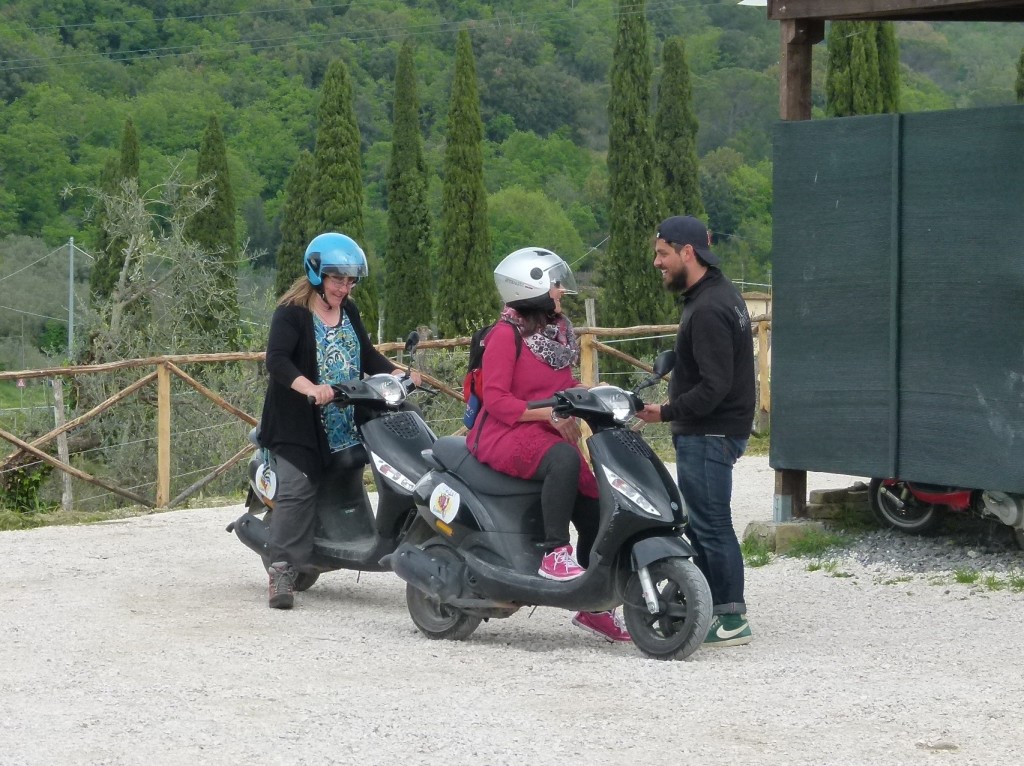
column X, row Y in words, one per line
column 1015, row 581
column 992, row 582
column 966, row 576
column 815, row 544
column 900, row 579
column 756, row 552
column 758, row 444
column 831, row 566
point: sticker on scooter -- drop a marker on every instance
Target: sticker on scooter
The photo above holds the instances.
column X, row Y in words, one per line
column 444, row 503
column 266, row 481
column 388, row 470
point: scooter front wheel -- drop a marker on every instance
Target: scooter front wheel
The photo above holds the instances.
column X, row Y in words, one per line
column 684, row 614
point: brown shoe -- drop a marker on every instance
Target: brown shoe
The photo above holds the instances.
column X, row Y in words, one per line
column 282, row 585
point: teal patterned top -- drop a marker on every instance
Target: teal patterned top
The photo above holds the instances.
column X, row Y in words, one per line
column 337, row 360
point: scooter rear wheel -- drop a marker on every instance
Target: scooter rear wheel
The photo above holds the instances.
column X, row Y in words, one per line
column 434, row 619
column 914, row 517
column 685, row 610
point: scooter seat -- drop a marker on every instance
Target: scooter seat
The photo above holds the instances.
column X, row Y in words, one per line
column 452, row 453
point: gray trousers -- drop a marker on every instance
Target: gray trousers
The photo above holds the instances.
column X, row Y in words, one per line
column 297, row 505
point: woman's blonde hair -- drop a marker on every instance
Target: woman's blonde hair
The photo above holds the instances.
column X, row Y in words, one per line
column 301, row 293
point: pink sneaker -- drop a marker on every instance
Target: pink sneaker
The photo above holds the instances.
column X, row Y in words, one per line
column 607, row 625
column 560, row 565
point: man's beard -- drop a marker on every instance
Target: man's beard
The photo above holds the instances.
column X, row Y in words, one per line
column 678, row 282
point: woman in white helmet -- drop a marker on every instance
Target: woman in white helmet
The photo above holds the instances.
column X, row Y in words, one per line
column 535, row 443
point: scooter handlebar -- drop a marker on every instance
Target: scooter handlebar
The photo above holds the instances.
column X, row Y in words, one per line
column 536, row 405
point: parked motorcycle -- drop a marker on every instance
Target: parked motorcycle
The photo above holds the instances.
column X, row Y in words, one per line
column 917, row 508
column 350, row 535
column 483, row 560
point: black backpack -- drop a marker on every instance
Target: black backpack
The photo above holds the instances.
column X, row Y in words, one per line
column 473, row 383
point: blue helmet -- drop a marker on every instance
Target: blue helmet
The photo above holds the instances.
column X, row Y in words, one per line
column 333, row 253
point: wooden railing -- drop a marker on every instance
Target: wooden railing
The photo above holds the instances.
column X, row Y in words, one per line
column 163, row 368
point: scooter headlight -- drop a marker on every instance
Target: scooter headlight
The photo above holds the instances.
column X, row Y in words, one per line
column 388, row 387
column 616, row 401
column 629, row 492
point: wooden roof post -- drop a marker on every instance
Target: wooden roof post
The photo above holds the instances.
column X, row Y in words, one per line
column 798, row 37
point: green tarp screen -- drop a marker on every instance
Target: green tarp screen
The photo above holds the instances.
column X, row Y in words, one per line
column 898, row 297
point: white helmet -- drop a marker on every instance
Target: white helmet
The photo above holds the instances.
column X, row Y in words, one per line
column 530, row 272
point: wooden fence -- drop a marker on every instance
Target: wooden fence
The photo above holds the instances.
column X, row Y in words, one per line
column 161, row 369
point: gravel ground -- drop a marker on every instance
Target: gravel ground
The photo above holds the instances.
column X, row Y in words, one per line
column 148, row 641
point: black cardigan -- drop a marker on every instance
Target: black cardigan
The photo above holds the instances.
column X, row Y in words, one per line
column 291, row 427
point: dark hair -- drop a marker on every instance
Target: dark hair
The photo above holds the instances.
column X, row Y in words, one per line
column 534, row 320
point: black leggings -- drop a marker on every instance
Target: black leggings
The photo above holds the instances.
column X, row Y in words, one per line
column 561, row 502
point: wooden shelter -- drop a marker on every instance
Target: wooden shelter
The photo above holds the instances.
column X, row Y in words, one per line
column 802, row 25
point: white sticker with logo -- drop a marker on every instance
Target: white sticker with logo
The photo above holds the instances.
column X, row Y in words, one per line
column 444, row 503
column 266, row 482
column 388, row 470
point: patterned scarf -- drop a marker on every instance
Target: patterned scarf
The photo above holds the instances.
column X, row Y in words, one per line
column 555, row 344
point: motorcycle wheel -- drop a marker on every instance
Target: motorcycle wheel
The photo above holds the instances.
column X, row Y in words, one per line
column 434, row 619
column 682, row 623
column 303, row 580
column 915, row 518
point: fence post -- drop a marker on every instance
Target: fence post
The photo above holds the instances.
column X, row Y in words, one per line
column 763, row 377
column 588, row 356
column 163, row 436
column 66, row 498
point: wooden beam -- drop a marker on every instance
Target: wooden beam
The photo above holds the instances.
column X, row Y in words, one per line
column 72, row 470
column 213, row 397
column 798, row 36
column 897, row 10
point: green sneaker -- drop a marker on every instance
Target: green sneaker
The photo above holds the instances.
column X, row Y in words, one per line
column 728, row 630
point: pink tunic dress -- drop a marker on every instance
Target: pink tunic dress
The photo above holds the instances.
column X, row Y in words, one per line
column 497, row 438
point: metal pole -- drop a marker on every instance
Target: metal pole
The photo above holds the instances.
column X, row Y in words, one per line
column 71, row 297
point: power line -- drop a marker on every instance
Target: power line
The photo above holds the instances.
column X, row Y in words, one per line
column 32, row 314
column 29, row 266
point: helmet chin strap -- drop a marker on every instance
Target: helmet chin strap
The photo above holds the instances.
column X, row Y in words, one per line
column 323, row 296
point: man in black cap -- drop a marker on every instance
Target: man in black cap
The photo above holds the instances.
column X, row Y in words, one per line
column 711, row 408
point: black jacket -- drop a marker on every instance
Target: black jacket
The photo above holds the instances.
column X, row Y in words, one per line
column 712, row 386
column 291, row 427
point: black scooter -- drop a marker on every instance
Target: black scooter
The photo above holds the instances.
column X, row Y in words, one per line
column 350, row 535
column 484, row 558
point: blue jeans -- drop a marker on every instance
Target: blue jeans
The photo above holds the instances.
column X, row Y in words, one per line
column 704, row 471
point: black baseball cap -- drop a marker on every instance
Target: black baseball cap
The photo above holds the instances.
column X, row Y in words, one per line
column 687, row 230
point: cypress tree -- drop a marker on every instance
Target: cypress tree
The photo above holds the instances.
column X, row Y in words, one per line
column 888, row 66
column 407, row 293
column 213, row 230
column 295, row 223
column 867, row 84
column 1019, row 88
column 863, row 69
column 838, row 85
column 466, row 297
column 675, row 135
column 110, row 251
column 631, row 290
column 338, row 177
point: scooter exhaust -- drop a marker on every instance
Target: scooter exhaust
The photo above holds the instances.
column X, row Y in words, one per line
column 421, row 570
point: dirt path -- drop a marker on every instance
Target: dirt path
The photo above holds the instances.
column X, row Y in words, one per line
column 148, row 641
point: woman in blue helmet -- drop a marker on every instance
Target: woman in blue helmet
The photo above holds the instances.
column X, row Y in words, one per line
column 316, row 338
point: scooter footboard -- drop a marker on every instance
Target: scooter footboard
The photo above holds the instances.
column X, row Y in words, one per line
column 651, row 549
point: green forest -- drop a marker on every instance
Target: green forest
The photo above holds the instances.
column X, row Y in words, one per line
column 72, row 72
